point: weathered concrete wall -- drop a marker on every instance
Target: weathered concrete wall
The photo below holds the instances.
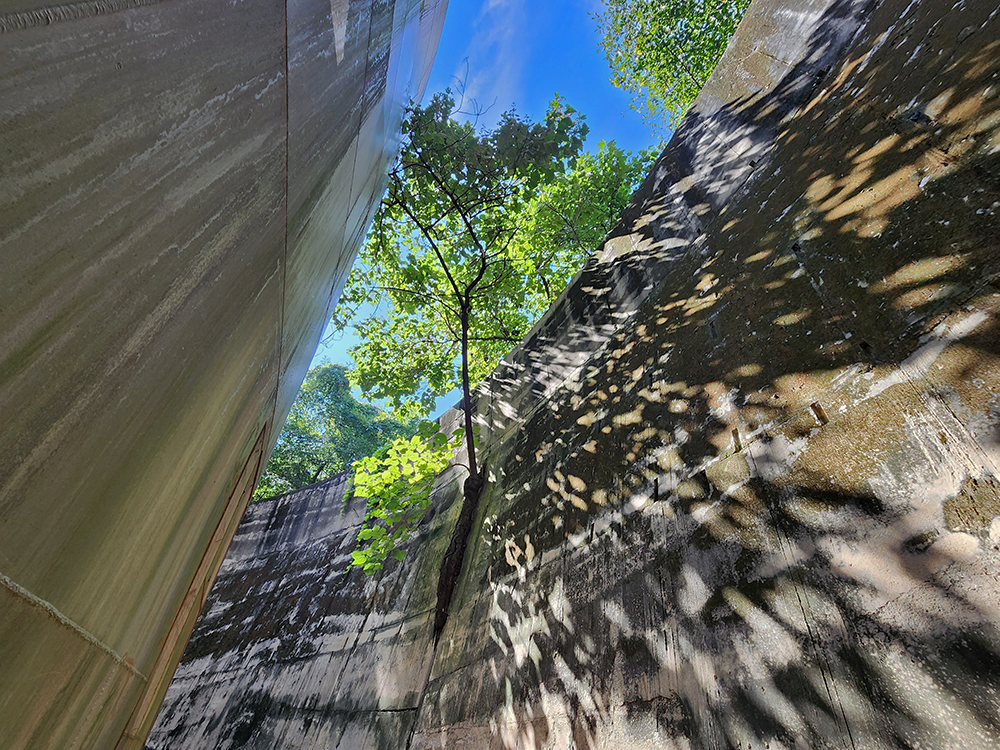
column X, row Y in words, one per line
column 184, row 184
column 284, row 656
column 744, row 487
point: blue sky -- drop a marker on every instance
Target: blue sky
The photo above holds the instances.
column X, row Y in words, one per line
column 520, row 53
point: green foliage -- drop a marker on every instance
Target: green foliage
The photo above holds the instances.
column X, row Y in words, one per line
column 663, row 51
column 478, row 233
column 397, row 483
column 439, row 260
column 568, row 217
column 326, row 431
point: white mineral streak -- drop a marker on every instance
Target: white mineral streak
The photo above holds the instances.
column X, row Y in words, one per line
column 918, row 364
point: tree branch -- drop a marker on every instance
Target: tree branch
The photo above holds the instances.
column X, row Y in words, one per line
column 509, row 339
column 454, row 201
column 434, row 247
column 431, row 297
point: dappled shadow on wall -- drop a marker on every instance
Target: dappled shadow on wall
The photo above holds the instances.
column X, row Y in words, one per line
column 763, row 514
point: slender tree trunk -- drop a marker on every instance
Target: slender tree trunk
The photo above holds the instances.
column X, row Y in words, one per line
column 451, row 565
column 315, row 477
column 470, row 440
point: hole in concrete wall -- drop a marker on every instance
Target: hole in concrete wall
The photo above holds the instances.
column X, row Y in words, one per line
column 869, row 352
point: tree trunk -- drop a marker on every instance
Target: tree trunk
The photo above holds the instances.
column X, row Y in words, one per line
column 470, row 441
column 315, row 476
column 451, row 566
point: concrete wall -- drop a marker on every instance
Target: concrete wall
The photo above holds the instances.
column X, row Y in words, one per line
column 290, row 652
column 184, row 185
column 744, row 475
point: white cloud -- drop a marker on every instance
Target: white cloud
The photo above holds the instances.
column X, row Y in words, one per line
column 497, row 54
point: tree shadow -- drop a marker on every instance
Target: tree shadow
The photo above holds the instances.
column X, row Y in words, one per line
column 745, row 486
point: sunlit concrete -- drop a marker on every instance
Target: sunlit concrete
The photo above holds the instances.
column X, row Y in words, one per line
column 184, row 185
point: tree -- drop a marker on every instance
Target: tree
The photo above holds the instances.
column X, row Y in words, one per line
column 477, row 233
column 441, row 254
column 327, row 430
column 663, row 51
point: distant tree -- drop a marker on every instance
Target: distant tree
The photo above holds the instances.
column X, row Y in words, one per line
column 663, row 51
column 477, row 233
column 327, row 430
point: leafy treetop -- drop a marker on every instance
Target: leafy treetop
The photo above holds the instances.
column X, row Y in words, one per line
column 488, row 225
column 663, row 51
column 440, row 255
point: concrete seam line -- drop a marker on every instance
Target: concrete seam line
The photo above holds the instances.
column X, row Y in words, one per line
column 62, row 619
column 26, row 19
column 284, row 245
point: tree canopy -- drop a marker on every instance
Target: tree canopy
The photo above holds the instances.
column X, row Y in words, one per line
column 569, row 216
column 476, row 235
column 327, row 430
column 663, row 51
column 490, row 226
column 440, row 262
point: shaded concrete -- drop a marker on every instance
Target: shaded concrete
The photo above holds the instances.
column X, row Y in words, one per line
column 282, row 657
column 744, row 473
column 184, row 187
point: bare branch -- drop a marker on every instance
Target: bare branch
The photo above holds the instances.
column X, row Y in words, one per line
column 430, row 297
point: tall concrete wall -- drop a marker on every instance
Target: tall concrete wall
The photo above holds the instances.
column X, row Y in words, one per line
column 287, row 652
column 744, row 475
column 184, row 185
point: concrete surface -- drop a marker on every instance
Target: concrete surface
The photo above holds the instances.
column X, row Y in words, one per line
column 282, row 657
column 744, row 487
column 184, row 185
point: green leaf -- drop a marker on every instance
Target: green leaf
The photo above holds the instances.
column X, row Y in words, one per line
column 400, row 481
